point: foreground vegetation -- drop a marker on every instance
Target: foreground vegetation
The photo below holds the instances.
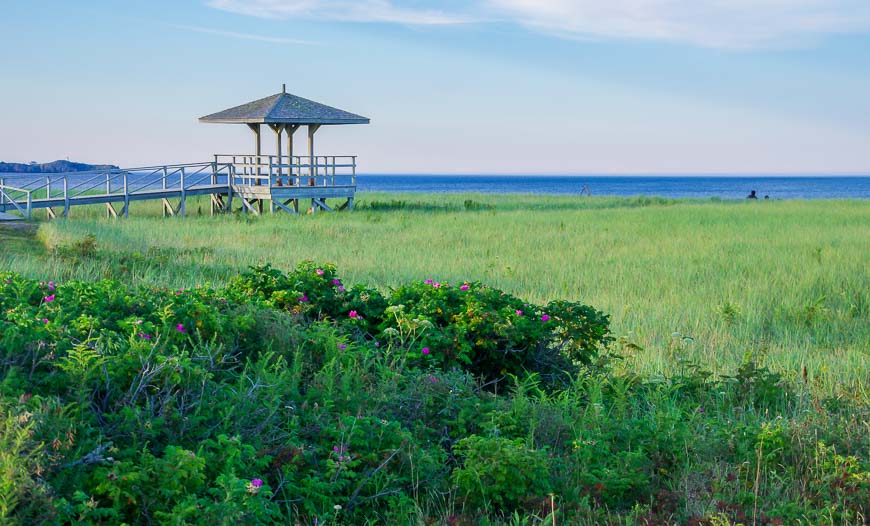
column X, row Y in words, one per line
column 300, row 399
column 683, row 281
column 727, row 383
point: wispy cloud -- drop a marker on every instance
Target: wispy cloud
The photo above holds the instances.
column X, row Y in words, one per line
column 244, row 36
column 730, row 24
column 344, row 10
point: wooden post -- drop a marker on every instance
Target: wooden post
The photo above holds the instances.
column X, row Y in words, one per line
column 183, row 194
column 290, row 129
column 126, row 196
column 2, row 194
column 278, row 129
column 65, row 196
column 312, row 170
column 48, row 211
column 271, row 169
column 256, row 129
column 231, row 173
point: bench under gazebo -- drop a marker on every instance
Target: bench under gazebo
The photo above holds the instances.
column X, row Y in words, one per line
column 284, row 178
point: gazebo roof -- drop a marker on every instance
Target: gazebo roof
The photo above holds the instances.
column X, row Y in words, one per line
column 285, row 108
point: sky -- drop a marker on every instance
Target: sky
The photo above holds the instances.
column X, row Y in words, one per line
column 453, row 87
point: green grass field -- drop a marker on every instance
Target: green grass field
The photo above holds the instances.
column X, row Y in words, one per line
column 772, row 298
column 696, row 281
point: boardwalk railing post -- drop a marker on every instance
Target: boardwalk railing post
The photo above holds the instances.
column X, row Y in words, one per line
column 231, row 174
column 165, row 175
column 29, row 204
column 2, row 194
column 126, row 196
column 49, row 214
column 183, row 193
column 65, row 196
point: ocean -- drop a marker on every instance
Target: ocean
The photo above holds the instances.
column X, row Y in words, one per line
column 723, row 187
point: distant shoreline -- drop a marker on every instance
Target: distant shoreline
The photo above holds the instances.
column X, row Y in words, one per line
column 53, row 167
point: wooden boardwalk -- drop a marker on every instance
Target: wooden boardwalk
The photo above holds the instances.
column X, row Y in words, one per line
column 253, row 182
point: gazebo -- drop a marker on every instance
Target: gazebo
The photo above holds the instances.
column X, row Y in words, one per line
column 282, row 178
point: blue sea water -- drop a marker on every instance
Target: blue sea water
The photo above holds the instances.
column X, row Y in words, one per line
column 724, row 187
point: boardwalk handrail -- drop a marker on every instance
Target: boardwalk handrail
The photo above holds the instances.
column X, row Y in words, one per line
column 108, row 185
column 259, row 175
column 6, row 198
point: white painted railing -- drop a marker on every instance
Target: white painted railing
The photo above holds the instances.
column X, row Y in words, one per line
column 63, row 189
column 291, row 170
column 20, row 199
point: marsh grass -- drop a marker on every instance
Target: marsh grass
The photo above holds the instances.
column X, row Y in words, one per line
column 702, row 282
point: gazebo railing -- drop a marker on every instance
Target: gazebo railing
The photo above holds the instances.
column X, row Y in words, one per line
column 291, row 170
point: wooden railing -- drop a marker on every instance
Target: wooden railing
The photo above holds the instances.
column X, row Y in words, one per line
column 291, row 170
column 24, row 192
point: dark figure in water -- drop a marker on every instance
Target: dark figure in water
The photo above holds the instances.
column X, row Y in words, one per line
column 752, row 195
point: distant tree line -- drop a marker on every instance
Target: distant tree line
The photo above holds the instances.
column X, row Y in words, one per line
column 52, row 167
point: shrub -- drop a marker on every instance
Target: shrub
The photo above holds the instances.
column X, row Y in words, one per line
column 501, row 473
column 492, row 334
column 473, row 327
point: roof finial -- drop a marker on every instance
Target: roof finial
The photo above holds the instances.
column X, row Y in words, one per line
column 283, row 88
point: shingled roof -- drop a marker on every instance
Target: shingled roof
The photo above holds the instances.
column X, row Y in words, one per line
column 285, row 108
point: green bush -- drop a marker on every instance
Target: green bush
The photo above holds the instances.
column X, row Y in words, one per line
column 143, row 405
column 471, row 326
column 500, row 473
